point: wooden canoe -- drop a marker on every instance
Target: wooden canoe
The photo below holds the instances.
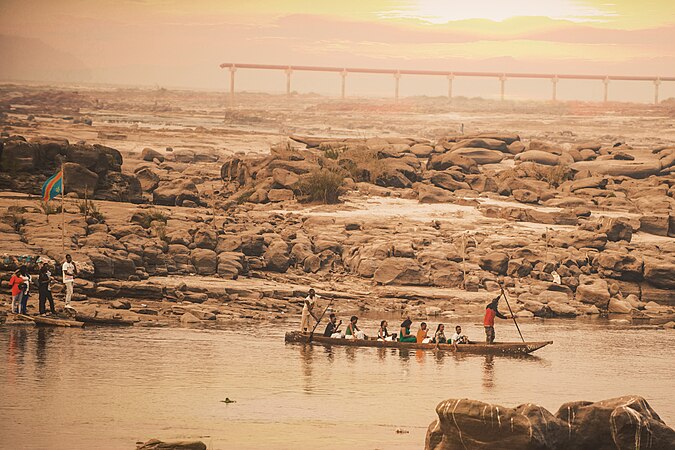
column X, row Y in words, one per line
column 49, row 321
column 498, row 348
column 104, row 320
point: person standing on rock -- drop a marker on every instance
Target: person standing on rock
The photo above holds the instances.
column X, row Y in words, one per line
column 69, row 272
column 45, row 290
column 15, row 283
column 308, row 312
column 491, row 312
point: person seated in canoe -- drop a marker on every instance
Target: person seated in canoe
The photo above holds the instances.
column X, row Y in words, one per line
column 439, row 336
column 353, row 331
column 383, row 334
column 423, row 334
column 458, row 337
column 405, row 331
column 333, row 327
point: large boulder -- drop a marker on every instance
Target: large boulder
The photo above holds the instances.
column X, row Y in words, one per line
column 446, row 180
column 276, row 256
column 480, row 155
column 433, row 194
column 539, row 157
column 497, row 262
column 619, row 306
column 660, row 273
column 175, row 192
column 119, row 187
column 231, row 264
column 486, row 143
column 621, row 265
column 593, row 291
column 205, row 261
column 150, row 155
column 472, row 424
column 79, row 179
column 445, row 161
column 632, row 169
column 621, row 423
column 148, row 178
column 401, row 271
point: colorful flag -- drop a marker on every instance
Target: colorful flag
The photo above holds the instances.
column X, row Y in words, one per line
column 53, row 186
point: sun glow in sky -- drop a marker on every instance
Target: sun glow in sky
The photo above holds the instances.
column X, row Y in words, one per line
column 444, row 11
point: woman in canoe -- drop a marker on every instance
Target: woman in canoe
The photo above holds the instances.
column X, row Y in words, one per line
column 383, row 334
column 405, row 332
column 439, row 337
column 353, row 331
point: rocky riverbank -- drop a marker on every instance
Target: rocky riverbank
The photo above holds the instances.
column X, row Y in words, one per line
column 406, row 225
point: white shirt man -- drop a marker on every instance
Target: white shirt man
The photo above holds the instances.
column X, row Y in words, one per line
column 69, row 271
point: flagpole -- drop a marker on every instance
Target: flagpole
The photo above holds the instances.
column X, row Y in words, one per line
column 63, row 212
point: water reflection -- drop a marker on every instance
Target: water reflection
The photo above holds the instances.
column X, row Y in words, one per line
column 489, row 372
column 306, row 354
column 16, row 349
column 43, row 335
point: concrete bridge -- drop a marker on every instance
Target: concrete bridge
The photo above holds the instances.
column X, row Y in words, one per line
column 450, row 76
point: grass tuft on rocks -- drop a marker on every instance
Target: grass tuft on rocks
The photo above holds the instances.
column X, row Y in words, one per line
column 48, row 208
column 322, row 186
column 146, row 218
column 91, row 209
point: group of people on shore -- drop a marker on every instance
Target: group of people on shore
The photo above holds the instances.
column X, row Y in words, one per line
column 422, row 336
column 21, row 283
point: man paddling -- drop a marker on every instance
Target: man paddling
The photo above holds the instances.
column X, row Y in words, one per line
column 491, row 312
column 333, row 327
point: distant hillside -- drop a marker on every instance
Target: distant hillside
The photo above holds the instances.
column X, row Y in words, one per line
column 33, row 60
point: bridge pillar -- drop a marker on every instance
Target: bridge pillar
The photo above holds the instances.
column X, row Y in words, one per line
column 502, row 82
column 657, row 82
column 343, row 75
column 606, row 83
column 397, row 79
column 289, row 71
column 233, row 69
column 554, row 81
column 450, row 78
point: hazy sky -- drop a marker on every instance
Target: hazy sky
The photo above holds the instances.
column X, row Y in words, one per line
column 181, row 43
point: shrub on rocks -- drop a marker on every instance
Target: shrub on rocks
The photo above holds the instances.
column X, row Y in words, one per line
column 322, row 186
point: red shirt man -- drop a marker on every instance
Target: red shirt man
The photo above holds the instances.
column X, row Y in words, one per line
column 491, row 312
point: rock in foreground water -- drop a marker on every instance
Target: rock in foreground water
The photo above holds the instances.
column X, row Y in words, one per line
column 155, row 444
column 620, row 423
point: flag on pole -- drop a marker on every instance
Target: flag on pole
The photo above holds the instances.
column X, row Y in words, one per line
column 53, row 186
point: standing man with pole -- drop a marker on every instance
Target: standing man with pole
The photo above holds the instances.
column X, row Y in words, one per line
column 491, row 312
column 308, row 312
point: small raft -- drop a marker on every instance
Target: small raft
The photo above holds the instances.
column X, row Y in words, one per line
column 497, row 348
column 48, row 321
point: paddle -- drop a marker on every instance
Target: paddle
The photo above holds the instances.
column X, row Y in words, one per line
column 311, row 335
column 511, row 311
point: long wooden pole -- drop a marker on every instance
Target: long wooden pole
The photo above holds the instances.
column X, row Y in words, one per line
column 513, row 316
column 311, row 335
column 63, row 211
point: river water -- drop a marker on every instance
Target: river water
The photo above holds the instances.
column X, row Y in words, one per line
column 110, row 387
